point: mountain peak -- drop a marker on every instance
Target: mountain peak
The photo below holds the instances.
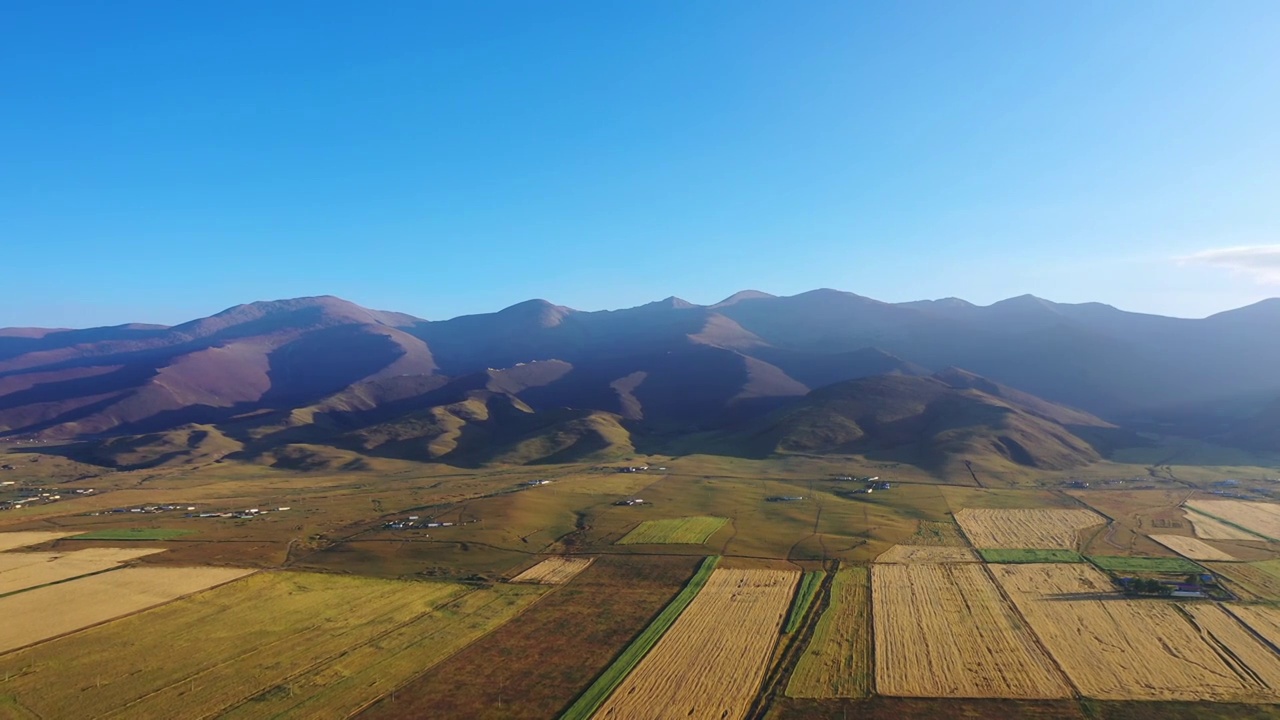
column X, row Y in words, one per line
column 742, row 295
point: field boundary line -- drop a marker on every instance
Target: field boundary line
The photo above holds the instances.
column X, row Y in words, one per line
column 603, row 686
column 782, row 672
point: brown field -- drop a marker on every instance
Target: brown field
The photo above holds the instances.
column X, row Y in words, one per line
column 1037, row 529
column 945, row 631
column 1193, row 548
column 1115, row 648
column 553, row 571
column 24, row 538
column 272, row 645
column 535, row 667
column 70, row 606
column 1213, row 529
column 933, row 532
column 1261, row 518
column 928, row 554
column 1248, row 581
column 700, row 671
column 45, row 568
column 837, row 662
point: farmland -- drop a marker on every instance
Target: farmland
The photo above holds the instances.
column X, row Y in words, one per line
column 1040, row 529
column 1114, row 648
column 1259, row 518
column 837, row 661
column 553, row 571
column 1123, row 564
column 803, row 599
column 1211, row 528
column 699, row 671
column 279, row 644
column 36, row 569
column 134, row 534
column 677, row 531
column 17, row 539
column 1250, row 581
column 945, row 631
column 1003, row 555
column 928, row 554
column 1192, row 548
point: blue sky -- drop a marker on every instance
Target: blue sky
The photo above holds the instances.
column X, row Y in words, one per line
column 161, row 161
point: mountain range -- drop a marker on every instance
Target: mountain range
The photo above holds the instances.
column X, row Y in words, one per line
column 1025, row 381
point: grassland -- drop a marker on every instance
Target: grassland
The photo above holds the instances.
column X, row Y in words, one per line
column 945, row 631
column 928, row 554
column 1122, row 564
column 1014, row 529
column 556, row 570
column 277, row 644
column 1192, row 548
column 603, row 687
column 809, row 584
column 134, row 534
column 533, row 667
column 676, row 531
column 700, row 671
column 57, row 609
column 1006, row 555
column 1114, row 648
column 837, row 661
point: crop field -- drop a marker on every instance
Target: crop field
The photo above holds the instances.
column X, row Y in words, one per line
column 66, row 607
column 700, row 671
column 1249, row 581
column 674, row 531
column 1257, row 666
column 1042, row 529
column 803, row 599
column 134, row 534
column 1262, row 619
column 1213, row 529
column 1167, row 565
column 1005, row 555
column 928, row 554
column 44, row 568
column 1256, row 517
column 553, row 571
column 1192, row 548
column 945, row 631
column 275, row 644
column 25, row 538
column 837, row 662
column 1114, row 648
column 550, row 653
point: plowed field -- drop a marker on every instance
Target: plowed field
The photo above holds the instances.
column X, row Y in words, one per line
column 1116, row 648
column 1037, row 529
column 709, row 665
column 945, row 631
column 928, row 554
column 553, row 571
column 1191, row 547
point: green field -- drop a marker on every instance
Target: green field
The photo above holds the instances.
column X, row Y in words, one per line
column 591, row 700
column 134, row 534
column 804, row 598
column 674, row 531
column 1117, row 563
column 1030, row 556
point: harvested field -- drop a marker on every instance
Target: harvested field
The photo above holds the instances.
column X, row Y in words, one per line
column 1256, row 517
column 549, row 653
column 1249, row 581
column 1039, row 529
column 1262, row 619
column 700, row 671
column 80, row 603
column 1192, row 548
column 553, row 571
column 273, row 645
column 1214, row 529
column 945, row 631
column 1256, row 664
column 25, row 538
column 837, row 662
column 44, row 568
column 674, row 531
column 928, row 554
column 1115, row 648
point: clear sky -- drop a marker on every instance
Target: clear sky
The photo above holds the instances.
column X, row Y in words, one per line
column 164, row 160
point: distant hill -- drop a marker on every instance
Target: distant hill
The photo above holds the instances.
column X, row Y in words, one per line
column 323, row 372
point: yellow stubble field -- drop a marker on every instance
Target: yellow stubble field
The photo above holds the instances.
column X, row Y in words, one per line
column 1193, row 548
column 1022, row 529
column 711, row 662
column 943, row 630
column 928, row 554
column 1118, row 648
column 553, row 571
column 1213, row 529
column 24, row 538
column 35, row 569
column 1258, row 517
